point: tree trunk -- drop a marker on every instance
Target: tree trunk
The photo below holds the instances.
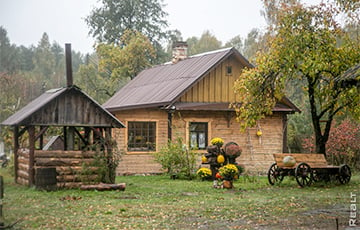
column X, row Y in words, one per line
column 321, row 138
column 320, row 145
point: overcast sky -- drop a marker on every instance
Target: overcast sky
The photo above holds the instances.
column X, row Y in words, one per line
column 63, row 20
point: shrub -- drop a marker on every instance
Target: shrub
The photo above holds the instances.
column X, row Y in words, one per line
column 343, row 146
column 177, row 159
column 105, row 164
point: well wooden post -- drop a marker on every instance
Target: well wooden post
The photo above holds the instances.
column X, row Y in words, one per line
column 70, row 138
column 109, row 153
column 1, row 201
column 31, row 131
column 16, row 148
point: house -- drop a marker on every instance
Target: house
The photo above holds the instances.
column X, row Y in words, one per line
column 189, row 98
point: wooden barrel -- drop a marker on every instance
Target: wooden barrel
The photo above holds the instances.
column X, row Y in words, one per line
column 45, row 178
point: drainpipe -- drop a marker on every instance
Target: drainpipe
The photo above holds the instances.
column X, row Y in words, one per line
column 171, row 109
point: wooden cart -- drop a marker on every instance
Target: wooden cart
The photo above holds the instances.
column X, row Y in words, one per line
column 308, row 168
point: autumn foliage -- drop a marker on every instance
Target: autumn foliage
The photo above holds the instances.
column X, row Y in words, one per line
column 343, row 145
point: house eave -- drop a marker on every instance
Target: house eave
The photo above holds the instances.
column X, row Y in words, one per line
column 136, row 106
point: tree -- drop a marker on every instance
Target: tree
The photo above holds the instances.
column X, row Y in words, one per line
column 8, row 62
column 25, row 56
column 173, row 37
column 116, row 64
column 308, row 45
column 207, row 42
column 236, row 42
column 110, row 21
column 44, row 62
column 126, row 60
column 253, row 43
column 343, row 146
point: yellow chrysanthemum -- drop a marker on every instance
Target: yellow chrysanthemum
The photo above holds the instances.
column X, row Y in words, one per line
column 217, row 141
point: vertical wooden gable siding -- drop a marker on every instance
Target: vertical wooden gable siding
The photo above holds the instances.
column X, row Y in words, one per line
column 216, row 86
column 71, row 109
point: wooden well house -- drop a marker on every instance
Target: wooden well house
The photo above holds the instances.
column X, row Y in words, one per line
column 82, row 123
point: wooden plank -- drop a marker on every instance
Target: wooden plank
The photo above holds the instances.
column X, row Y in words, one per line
column 206, row 87
column 69, row 170
column 314, row 160
column 24, row 153
column 225, row 83
column 69, row 184
column 22, row 160
column 218, row 95
column 22, row 166
column 63, row 154
column 212, row 85
column 76, row 178
column 23, row 174
column 104, row 187
column 62, row 161
column 22, row 181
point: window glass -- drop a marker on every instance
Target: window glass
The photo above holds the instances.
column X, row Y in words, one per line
column 141, row 136
column 198, row 135
column 228, row 70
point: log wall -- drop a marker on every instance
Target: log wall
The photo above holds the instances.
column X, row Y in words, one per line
column 256, row 151
column 68, row 166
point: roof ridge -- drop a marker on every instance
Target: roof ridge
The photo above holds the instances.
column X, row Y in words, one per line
column 197, row 55
column 211, row 52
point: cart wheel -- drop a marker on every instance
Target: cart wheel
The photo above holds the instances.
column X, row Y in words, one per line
column 274, row 174
column 316, row 176
column 303, row 174
column 344, row 174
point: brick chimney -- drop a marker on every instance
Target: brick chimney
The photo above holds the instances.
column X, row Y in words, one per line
column 179, row 51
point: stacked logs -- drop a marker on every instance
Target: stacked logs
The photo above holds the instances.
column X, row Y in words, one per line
column 68, row 165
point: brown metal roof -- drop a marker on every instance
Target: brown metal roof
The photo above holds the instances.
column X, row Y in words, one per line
column 48, row 102
column 163, row 84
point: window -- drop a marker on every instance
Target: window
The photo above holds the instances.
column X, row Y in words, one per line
column 228, row 70
column 141, row 136
column 198, row 135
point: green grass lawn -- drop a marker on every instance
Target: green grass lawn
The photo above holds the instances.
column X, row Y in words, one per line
column 156, row 202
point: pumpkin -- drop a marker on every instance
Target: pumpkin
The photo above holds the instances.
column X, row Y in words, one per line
column 203, row 159
column 220, row 159
column 259, row 133
column 289, row 161
column 218, row 176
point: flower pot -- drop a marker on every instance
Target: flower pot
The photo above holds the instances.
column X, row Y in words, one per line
column 228, row 184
